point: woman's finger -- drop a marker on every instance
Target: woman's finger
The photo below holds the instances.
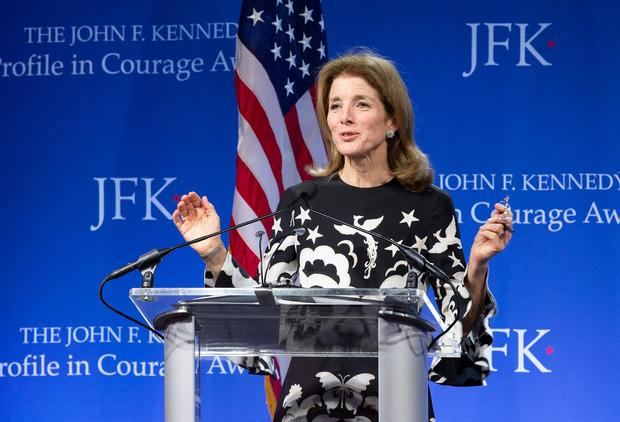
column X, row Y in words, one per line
column 195, row 199
column 176, row 218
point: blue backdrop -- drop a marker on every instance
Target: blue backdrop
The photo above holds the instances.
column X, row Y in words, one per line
column 97, row 144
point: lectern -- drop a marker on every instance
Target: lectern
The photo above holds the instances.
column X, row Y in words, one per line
column 382, row 323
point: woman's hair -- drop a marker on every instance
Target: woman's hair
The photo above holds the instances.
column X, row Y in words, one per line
column 407, row 163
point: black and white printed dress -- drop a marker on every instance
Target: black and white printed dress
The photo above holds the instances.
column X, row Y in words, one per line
column 332, row 255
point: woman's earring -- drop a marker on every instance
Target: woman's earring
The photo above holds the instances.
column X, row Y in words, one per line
column 390, row 134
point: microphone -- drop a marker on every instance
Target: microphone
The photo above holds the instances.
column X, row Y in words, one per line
column 305, row 190
column 145, row 261
column 148, row 261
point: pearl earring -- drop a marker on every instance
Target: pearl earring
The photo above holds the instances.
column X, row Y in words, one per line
column 390, row 134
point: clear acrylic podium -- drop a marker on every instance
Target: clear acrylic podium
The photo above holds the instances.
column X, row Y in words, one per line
column 382, row 323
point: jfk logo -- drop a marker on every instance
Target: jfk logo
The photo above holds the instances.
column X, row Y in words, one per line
column 503, row 342
column 124, row 195
column 500, row 35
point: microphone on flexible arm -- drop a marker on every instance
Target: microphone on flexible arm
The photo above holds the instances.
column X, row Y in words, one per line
column 415, row 260
column 305, row 191
column 147, row 262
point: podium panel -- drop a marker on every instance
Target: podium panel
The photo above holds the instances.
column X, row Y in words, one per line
column 319, row 322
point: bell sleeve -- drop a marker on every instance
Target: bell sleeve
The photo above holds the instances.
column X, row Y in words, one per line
column 446, row 252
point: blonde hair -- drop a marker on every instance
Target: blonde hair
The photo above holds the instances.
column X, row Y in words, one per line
column 407, row 163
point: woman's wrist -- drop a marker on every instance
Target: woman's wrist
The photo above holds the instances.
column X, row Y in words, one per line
column 212, row 253
column 477, row 270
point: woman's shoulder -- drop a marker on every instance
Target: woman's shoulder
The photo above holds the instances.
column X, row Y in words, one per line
column 432, row 192
column 440, row 197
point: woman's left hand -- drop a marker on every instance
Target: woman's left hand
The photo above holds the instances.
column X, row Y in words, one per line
column 492, row 237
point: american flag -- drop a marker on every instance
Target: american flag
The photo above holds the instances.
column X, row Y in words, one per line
column 280, row 46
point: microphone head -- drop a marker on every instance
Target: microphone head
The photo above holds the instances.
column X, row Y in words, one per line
column 305, row 190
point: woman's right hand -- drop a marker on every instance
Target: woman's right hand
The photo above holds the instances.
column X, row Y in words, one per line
column 195, row 217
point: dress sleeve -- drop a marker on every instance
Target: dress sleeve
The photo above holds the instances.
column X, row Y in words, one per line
column 446, row 251
column 280, row 263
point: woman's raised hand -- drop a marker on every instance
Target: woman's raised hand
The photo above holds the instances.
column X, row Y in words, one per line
column 195, row 217
column 493, row 236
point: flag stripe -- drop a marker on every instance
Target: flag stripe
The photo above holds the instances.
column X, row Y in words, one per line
column 310, row 129
column 253, row 155
column 249, row 188
column 240, row 248
column 312, row 92
column 253, row 113
column 302, row 155
column 253, row 74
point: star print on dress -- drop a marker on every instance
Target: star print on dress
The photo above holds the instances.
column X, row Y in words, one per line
column 420, row 244
column 303, row 215
column 455, row 261
column 276, row 226
column 393, row 248
column 449, row 239
column 408, row 218
column 371, row 243
column 313, row 234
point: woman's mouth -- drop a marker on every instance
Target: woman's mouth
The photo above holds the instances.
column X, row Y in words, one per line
column 347, row 136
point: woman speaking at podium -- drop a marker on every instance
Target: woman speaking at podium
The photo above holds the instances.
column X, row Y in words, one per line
column 377, row 179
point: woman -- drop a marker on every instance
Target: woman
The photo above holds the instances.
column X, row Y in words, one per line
column 377, row 179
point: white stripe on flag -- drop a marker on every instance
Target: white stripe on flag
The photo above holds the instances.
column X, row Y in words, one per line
column 253, row 74
column 243, row 212
column 310, row 129
column 252, row 154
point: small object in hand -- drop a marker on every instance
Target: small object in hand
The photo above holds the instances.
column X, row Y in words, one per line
column 506, row 203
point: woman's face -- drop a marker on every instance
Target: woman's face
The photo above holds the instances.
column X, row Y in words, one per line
column 356, row 118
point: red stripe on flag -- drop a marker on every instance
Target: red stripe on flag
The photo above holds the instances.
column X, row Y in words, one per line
column 249, row 188
column 300, row 150
column 251, row 109
column 312, row 91
column 273, row 389
column 243, row 254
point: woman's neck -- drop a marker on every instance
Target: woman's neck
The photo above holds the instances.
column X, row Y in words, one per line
column 364, row 173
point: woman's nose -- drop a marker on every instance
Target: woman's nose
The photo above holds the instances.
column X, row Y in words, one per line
column 346, row 116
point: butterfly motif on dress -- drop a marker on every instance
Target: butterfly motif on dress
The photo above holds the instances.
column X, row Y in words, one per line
column 344, row 392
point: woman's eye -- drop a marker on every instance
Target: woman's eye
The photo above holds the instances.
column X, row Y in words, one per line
column 363, row 104
column 333, row 107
